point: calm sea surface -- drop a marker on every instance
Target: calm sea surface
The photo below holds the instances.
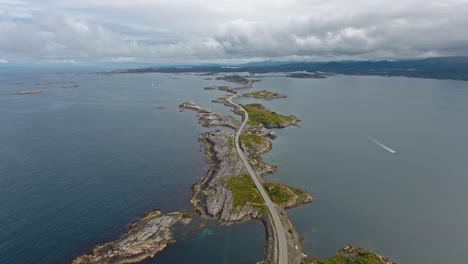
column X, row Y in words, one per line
column 78, row 165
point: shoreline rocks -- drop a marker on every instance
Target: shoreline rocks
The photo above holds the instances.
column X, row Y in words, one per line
column 144, row 239
column 208, row 118
column 212, row 198
column 265, row 95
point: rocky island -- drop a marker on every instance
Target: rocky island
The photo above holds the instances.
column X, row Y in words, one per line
column 144, row 239
column 264, row 94
column 234, row 79
column 223, row 193
column 261, row 116
column 353, row 255
column 314, row 75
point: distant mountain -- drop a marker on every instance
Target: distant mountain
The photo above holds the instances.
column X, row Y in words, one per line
column 264, row 63
column 455, row 68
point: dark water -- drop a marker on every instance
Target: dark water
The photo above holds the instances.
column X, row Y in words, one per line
column 78, row 165
column 411, row 206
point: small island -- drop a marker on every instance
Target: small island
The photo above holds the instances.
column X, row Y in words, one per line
column 302, row 75
column 144, row 239
column 266, row 95
column 261, row 116
column 71, row 86
column 353, row 255
column 221, row 88
column 28, row 92
column 234, row 79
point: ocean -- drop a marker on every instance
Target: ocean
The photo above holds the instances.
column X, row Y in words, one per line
column 78, row 165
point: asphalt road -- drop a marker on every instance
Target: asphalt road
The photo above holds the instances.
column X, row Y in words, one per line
column 279, row 229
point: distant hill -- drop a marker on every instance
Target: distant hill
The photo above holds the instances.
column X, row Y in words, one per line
column 455, row 68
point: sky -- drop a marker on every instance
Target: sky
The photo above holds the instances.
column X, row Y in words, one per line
column 230, row 30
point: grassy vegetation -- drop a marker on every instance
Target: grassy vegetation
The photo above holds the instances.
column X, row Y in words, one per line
column 278, row 193
column 234, row 79
column 281, row 194
column 301, row 195
column 258, row 114
column 258, row 163
column 244, row 191
column 152, row 215
column 264, row 94
column 249, row 141
column 364, row 258
column 230, row 143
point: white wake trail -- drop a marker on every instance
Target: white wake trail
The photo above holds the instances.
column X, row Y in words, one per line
column 381, row 145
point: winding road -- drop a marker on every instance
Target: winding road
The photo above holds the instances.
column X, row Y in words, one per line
column 278, row 226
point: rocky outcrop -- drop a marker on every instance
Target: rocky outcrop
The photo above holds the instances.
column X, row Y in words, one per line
column 262, row 117
column 208, row 118
column 194, row 107
column 144, row 239
column 234, row 79
column 266, row 95
column 212, row 197
column 261, row 166
column 351, row 254
column 287, row 197
column 221, row 88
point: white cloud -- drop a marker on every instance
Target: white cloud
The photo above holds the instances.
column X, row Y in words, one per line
column 163, row 30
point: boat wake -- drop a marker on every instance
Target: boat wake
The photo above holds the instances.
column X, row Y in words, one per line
column 381, row 145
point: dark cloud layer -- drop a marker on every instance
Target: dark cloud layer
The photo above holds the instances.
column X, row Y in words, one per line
column 193, row 30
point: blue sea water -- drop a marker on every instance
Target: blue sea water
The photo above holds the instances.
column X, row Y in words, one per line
column 78, row 165
column 410, row 206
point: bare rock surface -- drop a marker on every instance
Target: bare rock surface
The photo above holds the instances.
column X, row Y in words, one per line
column 208, row 118
column 212, row 197
column 144, row 239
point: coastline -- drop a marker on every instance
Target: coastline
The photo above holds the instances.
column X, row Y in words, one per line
column 213, row 197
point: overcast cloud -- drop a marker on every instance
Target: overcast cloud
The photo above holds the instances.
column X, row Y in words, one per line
column 194, row 30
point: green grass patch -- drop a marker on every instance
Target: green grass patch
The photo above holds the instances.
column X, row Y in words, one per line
column 244, row 191
column 364, row 258
column 230, row 143
column 258, row 114
column 250, row 141
column 264, row 94
column 302, row 196
column 278, row 193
